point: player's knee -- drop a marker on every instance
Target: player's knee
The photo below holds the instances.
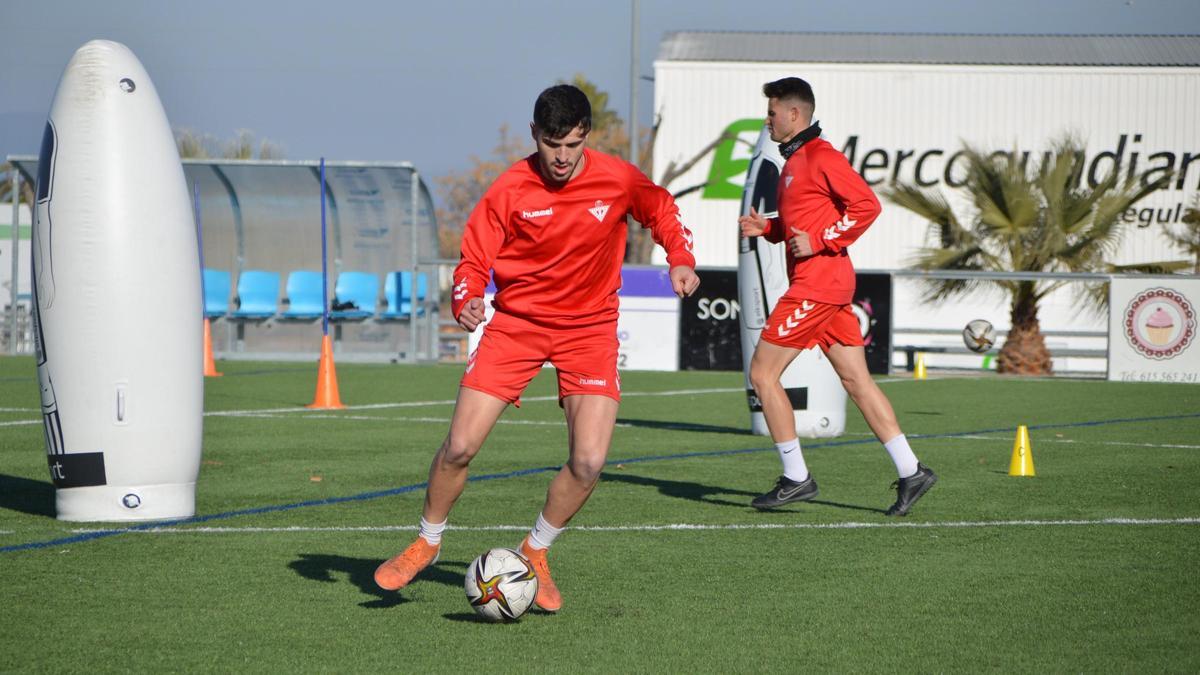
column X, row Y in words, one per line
column 586, row 469
column 457, row 452
column 762, row 378
column 859, row 387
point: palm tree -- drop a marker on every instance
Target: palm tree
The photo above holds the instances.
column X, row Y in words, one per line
column 1024, row 220
column 1188, row 236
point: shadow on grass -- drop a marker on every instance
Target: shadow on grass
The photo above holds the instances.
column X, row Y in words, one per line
column 825, row 502
column 703, row 493
column 35, row 497
column 684, row 490
column 472, row 617
column 466, row 617
column 361, row 573
column 682, row 426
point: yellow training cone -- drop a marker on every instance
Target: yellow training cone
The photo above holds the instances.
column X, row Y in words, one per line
column 919, row 370
column 1022, row 456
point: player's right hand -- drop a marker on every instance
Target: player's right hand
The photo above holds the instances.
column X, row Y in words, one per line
column 752, row 225
column 471, row 315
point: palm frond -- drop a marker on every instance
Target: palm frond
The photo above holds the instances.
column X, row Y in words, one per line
column 1159, row 267
column 933, row 207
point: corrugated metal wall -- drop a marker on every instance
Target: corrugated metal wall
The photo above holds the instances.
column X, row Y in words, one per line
column 918, row 109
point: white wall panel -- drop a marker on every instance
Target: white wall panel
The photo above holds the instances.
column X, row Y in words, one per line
column 921, row 108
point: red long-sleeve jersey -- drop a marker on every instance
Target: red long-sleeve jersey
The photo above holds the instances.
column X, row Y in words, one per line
column 822, row 196
column 556, row 251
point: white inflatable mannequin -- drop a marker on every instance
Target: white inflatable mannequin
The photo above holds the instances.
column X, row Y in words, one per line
column 118, row 318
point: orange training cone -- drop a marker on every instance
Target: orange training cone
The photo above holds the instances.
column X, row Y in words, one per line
column 1022, row 455
column 327, row 387
column 210, row 366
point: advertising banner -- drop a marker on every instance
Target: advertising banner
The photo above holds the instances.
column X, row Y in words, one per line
column 1152, row 330
column 873, row 307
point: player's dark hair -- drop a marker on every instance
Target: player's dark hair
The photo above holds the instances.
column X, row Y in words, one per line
column 561, row 108
column 790, row 87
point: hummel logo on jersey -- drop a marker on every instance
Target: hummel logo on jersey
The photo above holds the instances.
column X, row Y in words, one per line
column 537, row 214
column 834, row 231
column 688, row 239
column 460, row 289
column 599, row 210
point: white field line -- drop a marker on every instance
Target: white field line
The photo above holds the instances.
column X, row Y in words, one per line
column 419, row 404
column 974, row 437
column 437, row 420
column 269, row 413
column 681, row 526
column 1039, row 440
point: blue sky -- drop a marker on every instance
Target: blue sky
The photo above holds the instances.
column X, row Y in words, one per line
column 431, row 82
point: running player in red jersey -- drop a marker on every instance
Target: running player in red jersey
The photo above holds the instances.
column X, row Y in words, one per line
column 824, row 205
column 551, row 230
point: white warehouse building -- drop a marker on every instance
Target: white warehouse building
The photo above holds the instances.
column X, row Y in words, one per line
column 901, row 106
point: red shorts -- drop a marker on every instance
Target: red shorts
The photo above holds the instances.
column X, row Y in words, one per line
column 800, row 324
column 513, row 350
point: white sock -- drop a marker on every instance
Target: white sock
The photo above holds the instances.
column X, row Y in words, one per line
column 793, row 460
column 543, row 534
column 902, row 455
column 432, row 532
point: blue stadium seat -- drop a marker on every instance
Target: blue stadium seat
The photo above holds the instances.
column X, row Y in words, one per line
column 354, row 296
column 305, row 296
column 397, row 290
column 216, row 293
column 257, row 295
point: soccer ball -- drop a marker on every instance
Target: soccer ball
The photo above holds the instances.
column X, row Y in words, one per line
column 501, row 585
column 979, row 336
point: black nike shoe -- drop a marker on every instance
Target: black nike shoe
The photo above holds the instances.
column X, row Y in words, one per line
column 910, row 489
column 785, row 491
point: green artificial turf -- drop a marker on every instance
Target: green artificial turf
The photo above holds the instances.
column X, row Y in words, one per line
column 1089, row 566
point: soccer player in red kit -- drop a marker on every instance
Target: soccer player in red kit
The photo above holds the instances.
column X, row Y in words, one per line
column 551, row 230
column 824, row 206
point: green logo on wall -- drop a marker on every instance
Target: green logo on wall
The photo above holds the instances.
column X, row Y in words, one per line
column 731, row 160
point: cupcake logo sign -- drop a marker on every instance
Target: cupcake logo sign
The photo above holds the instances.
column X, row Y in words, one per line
column 1160, row 323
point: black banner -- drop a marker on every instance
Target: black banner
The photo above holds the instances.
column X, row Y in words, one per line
column 709, row 324
column 873, row 306
column 79, row 469
column 797, row 396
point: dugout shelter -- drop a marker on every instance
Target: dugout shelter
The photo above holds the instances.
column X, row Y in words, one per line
column 260, row 223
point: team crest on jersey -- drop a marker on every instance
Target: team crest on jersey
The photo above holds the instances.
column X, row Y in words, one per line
column 599, row 210
column 787, row 181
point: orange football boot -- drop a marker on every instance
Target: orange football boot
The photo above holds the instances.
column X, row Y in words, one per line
column 548, row 597
column 397, row 572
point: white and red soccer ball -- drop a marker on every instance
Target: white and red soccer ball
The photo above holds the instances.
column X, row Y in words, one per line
column 501, row 585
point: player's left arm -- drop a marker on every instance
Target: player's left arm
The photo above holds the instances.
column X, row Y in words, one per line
column 861, row 205
column 656, row 210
